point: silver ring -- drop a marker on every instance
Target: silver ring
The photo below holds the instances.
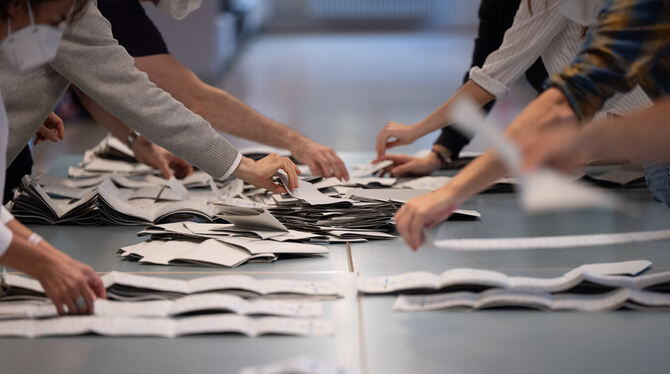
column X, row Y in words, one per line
column 80, row 302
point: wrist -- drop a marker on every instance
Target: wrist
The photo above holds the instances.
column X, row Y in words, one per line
column 245, row 169
column 440, row 155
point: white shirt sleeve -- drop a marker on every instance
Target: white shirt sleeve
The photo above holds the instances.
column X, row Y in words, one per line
column 522, row 44
column 5, row 216
column 5, row 238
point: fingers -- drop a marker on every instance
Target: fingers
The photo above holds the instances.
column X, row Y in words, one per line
column 89, row 298
column 324, row 165
column 61, row 128
column 314, row 168
column 69, row 302
column 338, row 166
column 166, row 172
column 278, row 188
column 415, row 233
column 402, row 170
column 290, row 168
column 381, row 143
column 98, row 287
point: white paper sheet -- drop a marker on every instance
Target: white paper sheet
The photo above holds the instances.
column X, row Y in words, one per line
column 298, row 365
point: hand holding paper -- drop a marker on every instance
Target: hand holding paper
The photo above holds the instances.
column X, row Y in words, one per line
column 260, row 173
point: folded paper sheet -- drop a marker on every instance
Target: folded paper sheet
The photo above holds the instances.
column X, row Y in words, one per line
column 165, row 327
column 198, row 303
column 126, row 286
column 464, row 278
column 495, row 298
column 565, row 241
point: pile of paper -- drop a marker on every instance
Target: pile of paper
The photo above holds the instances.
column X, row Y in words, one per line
column 133, row 287
column 592, row 287
column 163, row 307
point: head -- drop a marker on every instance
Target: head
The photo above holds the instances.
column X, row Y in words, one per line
column 45, row 12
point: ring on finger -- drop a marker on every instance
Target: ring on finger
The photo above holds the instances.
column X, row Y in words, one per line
column 80, row 302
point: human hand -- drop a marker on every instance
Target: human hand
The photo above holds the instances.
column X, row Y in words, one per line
column 393, row 135
column 65, row 281
column 322, row 160
column 563, row 148
column 52, row 129
column 406, row 165
column 422, row 212
column 260, row 173
column 158, row 157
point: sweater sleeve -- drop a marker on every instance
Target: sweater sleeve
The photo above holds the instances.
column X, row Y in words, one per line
column 530, row 34
column 92, row 60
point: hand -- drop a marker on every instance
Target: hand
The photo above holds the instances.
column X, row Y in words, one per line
column 561, row 148
column 52, row 130
column 401, row 135
column 406, row 165
column 421, row 212
column 260, row 173
column 66, row 280
column 155, row 156
column 322, row 160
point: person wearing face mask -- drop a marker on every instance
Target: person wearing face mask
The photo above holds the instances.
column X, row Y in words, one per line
column 550, row 29
column 90, row 59
column 134, row 31
column 29, row 38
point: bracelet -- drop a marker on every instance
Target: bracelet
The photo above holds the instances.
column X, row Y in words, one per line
column 440, row 156
column 131, row 138
column 34, row 238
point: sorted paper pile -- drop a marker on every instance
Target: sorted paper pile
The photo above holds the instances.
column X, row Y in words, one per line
column 592, row 287
column 163, row 307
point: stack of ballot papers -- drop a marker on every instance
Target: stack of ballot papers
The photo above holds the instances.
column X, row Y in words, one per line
column 133, row 287
column 592, row 287
column 152, row 306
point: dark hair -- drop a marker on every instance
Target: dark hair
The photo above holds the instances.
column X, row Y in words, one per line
column 77, row 9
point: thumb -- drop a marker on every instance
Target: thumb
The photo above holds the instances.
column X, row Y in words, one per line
column 165, row 169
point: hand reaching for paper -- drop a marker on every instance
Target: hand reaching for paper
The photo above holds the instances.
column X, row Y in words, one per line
column 260, row 173
column 70, row 284
column 52, row 130
column 155, row 156
column 322, row 160
column 393, row 135
column 422, row 212
column 410, row 166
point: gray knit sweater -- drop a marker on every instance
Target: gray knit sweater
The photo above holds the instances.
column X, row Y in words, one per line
column 91, row 59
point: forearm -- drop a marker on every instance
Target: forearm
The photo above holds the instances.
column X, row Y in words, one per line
column 549, row 109
column 642, row 137
column 24, row 256
column 21, row 231
column 437, row 119
column 105, row 119
column 230, row 115
column 476, row 177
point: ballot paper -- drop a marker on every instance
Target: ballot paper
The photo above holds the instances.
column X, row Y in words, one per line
column 308, row 193
column 624, row 176
column 431, row 183
column 165, row 327
column 126, row 286
column 355, row 182
column 208, row 303
column 543, row 189
column 466, row 279
column 368, row 169
column 253, row 219
column 298, row 365
column 496, row 298
column 540, row 242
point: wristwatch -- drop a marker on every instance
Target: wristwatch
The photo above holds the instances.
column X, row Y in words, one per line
column 442, row 156
column 131, row 138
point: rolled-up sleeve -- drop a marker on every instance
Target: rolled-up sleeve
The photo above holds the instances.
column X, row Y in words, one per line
column 5, row 216
column 92, row 60
column 522, row 44
column 616, row 56
column 5, row 238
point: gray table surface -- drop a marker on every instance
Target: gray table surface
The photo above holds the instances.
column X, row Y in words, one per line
column 369, row 335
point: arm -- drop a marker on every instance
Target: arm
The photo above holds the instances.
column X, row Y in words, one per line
column 92, row 60
column 522, row 44
column 64, row 279
column 620, row 52
column 431, row 209
column 646, row 136
column 230, row 115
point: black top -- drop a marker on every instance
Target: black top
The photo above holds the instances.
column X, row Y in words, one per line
column 133, row 29
column 495, row 17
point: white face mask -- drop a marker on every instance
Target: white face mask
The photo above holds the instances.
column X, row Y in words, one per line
column 179, row 9
column 584, row 12
column 30, row 46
